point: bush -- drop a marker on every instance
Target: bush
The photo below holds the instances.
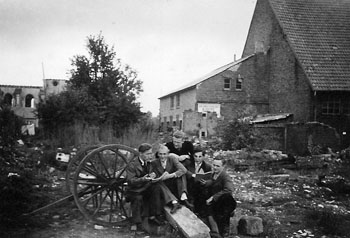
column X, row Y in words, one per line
column 237, row 134
column 328, row 221
column 10, row 132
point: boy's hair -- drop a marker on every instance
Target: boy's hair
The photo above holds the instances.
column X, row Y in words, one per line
column 224, row 161
column 144, row 147
column 163, row 147
column 178, row 134
column 198, row 149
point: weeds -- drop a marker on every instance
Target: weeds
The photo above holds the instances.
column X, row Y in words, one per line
column 330, row 222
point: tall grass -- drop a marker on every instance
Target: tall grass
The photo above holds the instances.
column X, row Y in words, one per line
column 80, row 135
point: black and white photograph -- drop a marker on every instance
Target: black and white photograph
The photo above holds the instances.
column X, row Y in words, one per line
column 175, row 118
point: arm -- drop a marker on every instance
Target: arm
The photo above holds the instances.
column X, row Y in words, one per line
column 227, row 186
column 180, row 169
column 132, row 178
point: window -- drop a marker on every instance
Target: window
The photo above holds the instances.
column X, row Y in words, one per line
column 204, row 114
column 8, row 99
column 180, row 125
column 227, row 84
column 203, row 134
column 331, row 106
column 178, row 101
column 29, row 102
column 172, row 102
column 171, row 120
column 239, row 82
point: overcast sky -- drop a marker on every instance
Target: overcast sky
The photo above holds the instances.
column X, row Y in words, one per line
column 168, row 42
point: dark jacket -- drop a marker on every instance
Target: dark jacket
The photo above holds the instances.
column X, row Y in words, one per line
column 135, row 176
column 221, row 185
column 186, row 149
column 206, row 167
column 173, row 165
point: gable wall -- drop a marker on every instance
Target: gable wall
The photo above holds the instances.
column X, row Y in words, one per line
column 289, row 89
column 254, row 93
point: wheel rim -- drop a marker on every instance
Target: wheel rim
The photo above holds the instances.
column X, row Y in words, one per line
column 74, row 163
column 99, row 184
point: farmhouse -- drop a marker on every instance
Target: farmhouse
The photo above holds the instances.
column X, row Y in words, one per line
column 296, row 60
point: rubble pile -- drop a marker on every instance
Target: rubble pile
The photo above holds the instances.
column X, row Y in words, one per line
column 282, row 197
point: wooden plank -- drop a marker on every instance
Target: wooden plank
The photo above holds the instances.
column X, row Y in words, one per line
column 51, row 205
column 187, row 223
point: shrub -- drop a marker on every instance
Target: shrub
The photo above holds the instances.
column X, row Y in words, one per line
column 10, row 132
column 237, row 134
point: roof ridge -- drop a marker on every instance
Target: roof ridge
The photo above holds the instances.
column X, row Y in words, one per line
column 206, row 76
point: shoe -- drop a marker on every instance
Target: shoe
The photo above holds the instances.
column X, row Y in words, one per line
column 187, row 204
column 175, row 207
column 156, row 221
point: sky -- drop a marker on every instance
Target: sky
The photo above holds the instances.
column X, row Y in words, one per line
column 168, row 42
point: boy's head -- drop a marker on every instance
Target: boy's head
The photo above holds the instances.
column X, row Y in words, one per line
column 218, row 165
column 198, row 155
column 178, row 138
column 163, row 152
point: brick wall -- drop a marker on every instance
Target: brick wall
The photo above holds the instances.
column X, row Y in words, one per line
column 196, row 122
column 289, row 90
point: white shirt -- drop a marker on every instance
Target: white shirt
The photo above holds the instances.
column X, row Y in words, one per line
column 198, row 168
column 163, row 163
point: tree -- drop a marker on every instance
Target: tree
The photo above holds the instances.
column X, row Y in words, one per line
column 100, row 91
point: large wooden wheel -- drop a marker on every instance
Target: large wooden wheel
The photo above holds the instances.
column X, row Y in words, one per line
column 99, row 184
column 74, row 163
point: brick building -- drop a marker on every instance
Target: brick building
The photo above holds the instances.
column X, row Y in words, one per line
column 24, row 99
column 212, row 93
column 296, row 60
column 305, row 47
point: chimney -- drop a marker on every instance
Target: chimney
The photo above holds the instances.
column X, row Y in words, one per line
column 234, row 57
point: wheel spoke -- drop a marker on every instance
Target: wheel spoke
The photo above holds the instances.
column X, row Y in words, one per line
column 94, row 173
column 104, row 165
column 94, row 182
column 111, row 206
column 87, row 199
column 101, row 202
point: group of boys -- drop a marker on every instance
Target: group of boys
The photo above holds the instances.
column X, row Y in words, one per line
column 179, row 176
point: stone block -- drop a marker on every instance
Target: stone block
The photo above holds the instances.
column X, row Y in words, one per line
column 187, row 223
column 249, row 225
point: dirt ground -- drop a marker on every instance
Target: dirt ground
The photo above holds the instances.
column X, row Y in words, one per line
column 291, row 204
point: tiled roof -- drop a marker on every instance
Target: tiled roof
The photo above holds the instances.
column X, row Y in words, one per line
column 319, row 34
column 207, row 76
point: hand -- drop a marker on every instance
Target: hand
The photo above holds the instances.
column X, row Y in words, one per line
column 166, row 175
column 203, row 182
column 152, row 175
column 147, row 177
column 183, row 157
column 209, row 200
column 193, row 175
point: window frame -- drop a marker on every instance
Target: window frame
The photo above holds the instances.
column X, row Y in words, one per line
column 239, row 83
column 227, row 82
column 172, row 102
